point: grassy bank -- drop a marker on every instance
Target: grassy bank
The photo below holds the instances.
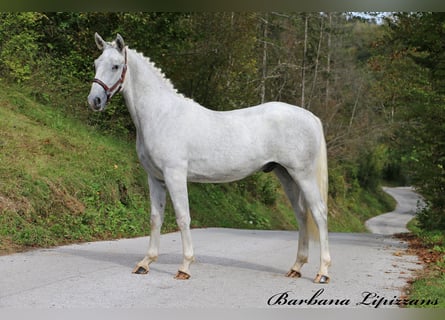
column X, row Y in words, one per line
column 429, row 246
column 62, row 182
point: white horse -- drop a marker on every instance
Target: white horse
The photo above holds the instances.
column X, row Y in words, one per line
column 178, row 140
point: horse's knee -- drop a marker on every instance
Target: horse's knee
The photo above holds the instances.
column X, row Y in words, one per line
column 156, row 220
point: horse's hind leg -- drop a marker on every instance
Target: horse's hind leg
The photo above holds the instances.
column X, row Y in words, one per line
column 157, row 199
column 293, row 193
column 313, row 200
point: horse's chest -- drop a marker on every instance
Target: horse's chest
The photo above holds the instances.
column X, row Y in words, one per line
column 150, row 161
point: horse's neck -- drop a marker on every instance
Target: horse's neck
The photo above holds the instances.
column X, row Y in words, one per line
column 146, row 89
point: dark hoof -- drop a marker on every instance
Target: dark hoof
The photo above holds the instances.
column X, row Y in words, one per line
column 322, row 279
column 140, row 270
column 293, row 274
column 182, row 275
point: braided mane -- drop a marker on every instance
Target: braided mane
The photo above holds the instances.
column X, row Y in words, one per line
column 157, row 72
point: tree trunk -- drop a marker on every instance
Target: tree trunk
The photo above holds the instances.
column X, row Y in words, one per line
column 328, row 63
column 317, row 62
column 264, row 66
column 303, row 63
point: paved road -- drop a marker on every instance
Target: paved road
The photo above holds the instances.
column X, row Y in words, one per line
column 234, row 269
column 395, row 221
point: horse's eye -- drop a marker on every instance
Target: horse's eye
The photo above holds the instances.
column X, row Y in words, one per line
column 115, row 67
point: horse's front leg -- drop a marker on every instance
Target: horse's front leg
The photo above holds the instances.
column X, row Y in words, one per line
column 157, row 199
column 176, row 181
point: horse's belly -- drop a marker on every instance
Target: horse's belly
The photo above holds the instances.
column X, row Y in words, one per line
column 216, row 178
column 222, row 173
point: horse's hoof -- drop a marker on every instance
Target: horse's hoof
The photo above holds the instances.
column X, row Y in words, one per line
column 293, row 274
column 322, row 279
column 140, row 270
column 181, row 275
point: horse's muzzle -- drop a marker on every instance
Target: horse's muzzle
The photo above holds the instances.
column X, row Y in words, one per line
column 97, row 102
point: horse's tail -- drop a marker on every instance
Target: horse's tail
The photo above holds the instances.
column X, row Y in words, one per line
column 322, row 181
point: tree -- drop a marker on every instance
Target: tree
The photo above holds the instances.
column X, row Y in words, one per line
column 412, row 88
column 218, row 64
column 18, row 48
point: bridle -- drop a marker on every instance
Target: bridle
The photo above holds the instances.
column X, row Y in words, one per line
column 110, row 91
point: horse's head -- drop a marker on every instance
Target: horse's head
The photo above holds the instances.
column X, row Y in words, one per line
column 111, row 68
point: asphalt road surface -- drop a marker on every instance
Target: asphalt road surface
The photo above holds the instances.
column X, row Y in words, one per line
column 234, row 269
column 395, row 221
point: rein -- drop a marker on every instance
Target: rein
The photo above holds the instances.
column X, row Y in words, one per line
column 111, row 91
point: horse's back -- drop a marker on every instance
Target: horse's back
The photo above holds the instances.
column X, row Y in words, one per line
column 280, row 113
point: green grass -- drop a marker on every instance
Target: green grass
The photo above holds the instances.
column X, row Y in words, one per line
column 62, row 181
column 430, row 283
column 348, row 214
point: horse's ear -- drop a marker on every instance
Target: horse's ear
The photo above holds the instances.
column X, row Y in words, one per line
column 99, row 41
column 120, row 42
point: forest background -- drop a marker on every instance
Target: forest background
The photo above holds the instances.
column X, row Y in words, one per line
column 67, row 174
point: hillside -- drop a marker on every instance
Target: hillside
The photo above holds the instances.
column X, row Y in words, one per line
column 62, row 181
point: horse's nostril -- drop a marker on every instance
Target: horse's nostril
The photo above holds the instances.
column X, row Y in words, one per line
column 97, row 101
